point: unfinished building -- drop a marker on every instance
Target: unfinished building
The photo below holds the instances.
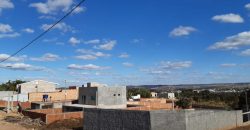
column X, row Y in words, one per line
column 103, row 97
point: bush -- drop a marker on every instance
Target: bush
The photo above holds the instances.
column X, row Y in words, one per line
column 184, row 103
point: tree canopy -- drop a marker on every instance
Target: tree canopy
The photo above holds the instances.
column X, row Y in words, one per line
column 10, row 85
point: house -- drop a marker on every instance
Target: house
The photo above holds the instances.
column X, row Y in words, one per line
column 36, row 86
column 103, row 97
column 154, row 94
column 171, row 96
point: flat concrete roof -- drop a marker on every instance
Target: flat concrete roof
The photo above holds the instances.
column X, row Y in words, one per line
column 48, row 102
column 81, row 106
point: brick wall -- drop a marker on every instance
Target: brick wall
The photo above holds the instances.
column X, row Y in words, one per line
column 52, row 115
column 72, row 94
column 24, row 105
column 50, row 118
column 151, row 104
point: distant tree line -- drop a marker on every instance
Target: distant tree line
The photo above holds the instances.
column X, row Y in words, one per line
column 226, row 100
column 10, row 85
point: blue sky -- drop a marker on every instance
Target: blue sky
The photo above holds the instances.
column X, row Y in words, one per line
column 127, row 42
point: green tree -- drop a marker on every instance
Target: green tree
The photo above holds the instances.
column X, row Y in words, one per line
column 184, row 103
column 10, row 85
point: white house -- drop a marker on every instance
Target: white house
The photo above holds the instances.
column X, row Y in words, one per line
column 36, row 86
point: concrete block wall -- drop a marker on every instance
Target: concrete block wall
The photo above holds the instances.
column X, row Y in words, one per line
column 167, row 120
column 213, row 120
column 111, row 119
column 71, row 94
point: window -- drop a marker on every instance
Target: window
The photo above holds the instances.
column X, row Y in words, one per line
column 92, row 97
column 119, row 94
column 114, row 95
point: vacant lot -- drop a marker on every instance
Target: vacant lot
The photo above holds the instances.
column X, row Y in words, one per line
column 14, row 121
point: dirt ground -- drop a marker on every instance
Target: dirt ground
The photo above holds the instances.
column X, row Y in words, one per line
column 14, row 121
column 7, row 125
column 247, row 127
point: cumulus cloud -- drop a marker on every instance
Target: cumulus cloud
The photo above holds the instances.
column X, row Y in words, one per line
column 127, row 64
column 124, row 55
column 86, row 67
column 47, row 57
column 245, row 52
column 90, row 54
column 12, row 59
column 166, row 67
column 74, row 41
column 21, row 66
column 182, row 31
column 6, row 31
column 28, row 30
column 232, row 42
column 52, row 7
column 107, row 45
column 5, row 4
column 60, row 26
column 228, row 18
column 247, row 6
column 94, row 41
column 5, row 28
column 228, row 65
column 9, row 35
column 175, row 65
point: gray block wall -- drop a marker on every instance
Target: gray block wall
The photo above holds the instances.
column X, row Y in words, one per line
column 167, row 120
column 111, row 119
column 108, row 119
column 213, row 119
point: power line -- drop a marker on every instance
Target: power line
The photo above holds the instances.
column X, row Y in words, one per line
column 43, row 33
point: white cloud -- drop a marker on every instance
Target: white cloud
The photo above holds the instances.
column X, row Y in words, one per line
column 245, row 52
column 5, row 4
column 79, row 10
column 52, row 6
column 47, row 57
column 247, row 6
column 108, row 45
column 86, row 57
column 182, row 31
column 94, row 41
column 74, row 41
column 86, row 67
column 127, row 64
column 6, row 31
column 166, row 67
column 136, row 40
column 60, row 26
column 5, row 28
column 12, row 59
column 21, row 66
column 232, row 42
column 28, row 30
column 228, row 65
column 175, row 65
column 124, row 55
column 228, row 18
column 9, row 35
column 90, row 54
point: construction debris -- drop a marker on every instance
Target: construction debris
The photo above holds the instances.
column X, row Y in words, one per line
column 24, row 121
